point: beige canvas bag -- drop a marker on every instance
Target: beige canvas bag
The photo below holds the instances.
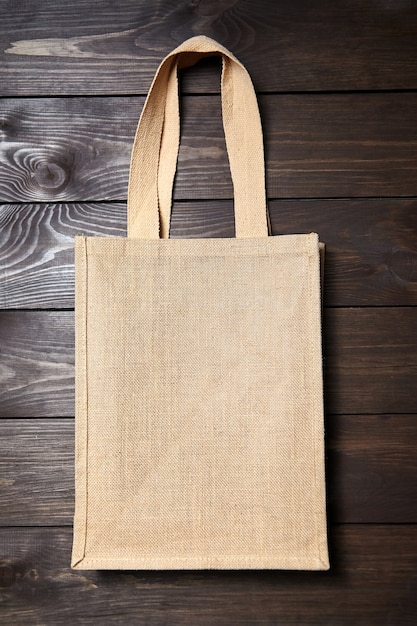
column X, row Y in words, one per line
column 199, row 411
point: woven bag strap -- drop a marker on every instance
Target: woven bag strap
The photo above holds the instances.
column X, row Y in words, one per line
column 155, row 148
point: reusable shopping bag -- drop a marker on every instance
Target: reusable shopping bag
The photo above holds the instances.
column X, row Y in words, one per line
column 199, row 399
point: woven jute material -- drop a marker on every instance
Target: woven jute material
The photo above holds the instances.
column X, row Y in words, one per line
column 199, row 401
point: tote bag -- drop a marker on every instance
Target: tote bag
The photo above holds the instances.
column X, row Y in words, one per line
column 199, row 401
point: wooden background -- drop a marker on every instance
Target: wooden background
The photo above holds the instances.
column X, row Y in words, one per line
column 337, row 85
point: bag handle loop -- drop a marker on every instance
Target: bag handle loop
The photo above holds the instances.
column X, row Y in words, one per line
column 155, row 148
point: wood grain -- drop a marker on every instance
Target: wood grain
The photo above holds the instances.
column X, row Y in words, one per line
column 85, row 48
column 67, row 148
column 371, row 245
column 37, row 249
column 367, row 586
column 371, row 470
column 37, row 367
column 36, row 472
column 370, row 362
column 317, row 146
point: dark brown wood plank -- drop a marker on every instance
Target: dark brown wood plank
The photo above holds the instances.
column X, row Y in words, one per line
column 36, row 472
column 37, row 249
column 371, row 245
column 67, row 148
column 322, row 146
column 50, row 47
column 371, row 470
column 372, row 581
column 346, row 145
column 37, row 374
column 370, row 362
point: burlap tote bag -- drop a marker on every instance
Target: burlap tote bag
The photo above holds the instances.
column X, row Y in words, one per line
column 199, row 413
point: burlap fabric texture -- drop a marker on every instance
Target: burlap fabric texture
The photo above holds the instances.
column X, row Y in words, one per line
column 199, row 401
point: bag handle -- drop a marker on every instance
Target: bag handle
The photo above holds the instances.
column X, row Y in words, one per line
column 156, row 143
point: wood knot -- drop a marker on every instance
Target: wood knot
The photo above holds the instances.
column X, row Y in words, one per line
column 49, row 176
column 403, row 263
column 7, row 127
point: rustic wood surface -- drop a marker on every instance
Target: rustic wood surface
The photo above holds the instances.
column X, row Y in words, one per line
column 371, row 245
column 50, row 47
column 338, row 98
column 317, row 146
column 372, row 581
